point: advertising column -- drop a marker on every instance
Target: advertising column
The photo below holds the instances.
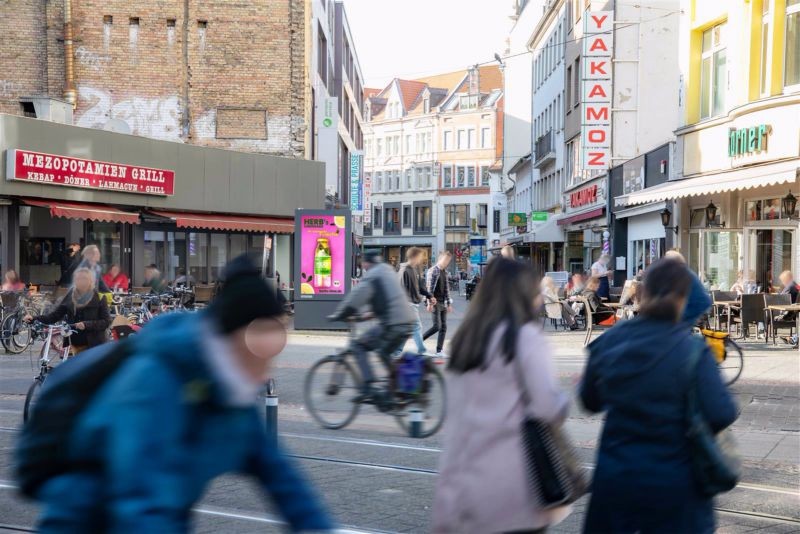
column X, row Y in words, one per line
column 322, row 265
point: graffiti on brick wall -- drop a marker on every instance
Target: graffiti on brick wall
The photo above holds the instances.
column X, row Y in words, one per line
column 158, row 118
column 91, row 60
column 9, row 88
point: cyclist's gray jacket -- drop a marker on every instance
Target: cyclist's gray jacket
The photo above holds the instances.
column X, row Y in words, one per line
column 380, row 289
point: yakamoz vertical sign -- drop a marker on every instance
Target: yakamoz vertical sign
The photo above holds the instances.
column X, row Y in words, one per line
column 52, row 169
column 598, row 49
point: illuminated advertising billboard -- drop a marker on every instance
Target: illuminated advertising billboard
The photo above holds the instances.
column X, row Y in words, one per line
column 323, row 254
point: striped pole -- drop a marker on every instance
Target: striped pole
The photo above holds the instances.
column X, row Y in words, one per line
column 271, row 405
column 415, row 417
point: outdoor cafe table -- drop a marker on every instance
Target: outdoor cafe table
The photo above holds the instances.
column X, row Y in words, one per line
column 727, row 304
column 788, row 308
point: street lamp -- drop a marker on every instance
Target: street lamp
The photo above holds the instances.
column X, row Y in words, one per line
column 666, row 215
column 789, row 205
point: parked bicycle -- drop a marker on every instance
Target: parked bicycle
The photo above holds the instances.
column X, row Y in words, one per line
column 15, row 334
column 53, row 346
column 332, row 385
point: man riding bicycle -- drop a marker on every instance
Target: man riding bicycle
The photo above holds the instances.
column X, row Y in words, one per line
column 381, row 291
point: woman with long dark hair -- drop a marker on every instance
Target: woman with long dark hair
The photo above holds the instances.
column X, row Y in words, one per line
column 639, row 374
column 483, row 484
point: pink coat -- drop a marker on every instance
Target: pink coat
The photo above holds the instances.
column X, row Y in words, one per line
column 482, row 486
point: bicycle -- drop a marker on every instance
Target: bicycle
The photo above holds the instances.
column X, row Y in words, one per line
column 729, row 355
column 16, row 333
column 53, row 337
column 332, row 386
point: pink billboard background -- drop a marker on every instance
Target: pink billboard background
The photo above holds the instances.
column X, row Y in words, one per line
column 313, row 227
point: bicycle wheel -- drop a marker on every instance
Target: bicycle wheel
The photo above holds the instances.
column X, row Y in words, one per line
column 16, row 334
column 732, row 364
column 330, row 386
column 432, row 402
column 31, row 397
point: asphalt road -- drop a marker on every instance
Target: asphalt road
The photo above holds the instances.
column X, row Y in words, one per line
column 375, row 479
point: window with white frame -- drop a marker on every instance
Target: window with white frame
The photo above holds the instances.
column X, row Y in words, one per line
column 713, row 72
column 765, row 63
column 378, row 183
column 428, row 138
column 379, row 147
column 471, row 176
column 397, row 180
column 447, row 176
column 461, row 175
column 486, row 137
column 396, row 145
column 461, row 139
column 792, row 54
column 447, row 141
column 408, row 144
column 409, row 180
column 471, row 138
column 484, row 173
column 427, row 174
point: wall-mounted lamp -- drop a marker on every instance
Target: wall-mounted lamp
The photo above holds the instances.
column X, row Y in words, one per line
column 666, row 216
column 789, row 205
column 711, row 217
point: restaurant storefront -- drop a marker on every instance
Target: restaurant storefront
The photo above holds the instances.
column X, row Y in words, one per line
column 585, row 223
column 179, row 207
column 734, row 198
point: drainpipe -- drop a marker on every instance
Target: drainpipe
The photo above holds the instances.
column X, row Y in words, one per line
column 70, row 94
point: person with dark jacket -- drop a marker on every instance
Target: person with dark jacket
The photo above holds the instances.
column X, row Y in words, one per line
column 179, row 412
column 82, row 307
column 441, row 302
column 415, row 289
column 70, row 262
column 638, row 374
column 698, row 302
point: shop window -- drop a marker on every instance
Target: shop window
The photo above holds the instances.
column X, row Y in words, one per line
column 645, row 252
column 713, row 72
column 155, row 245
column 108, row 238
column 792, row 62
column 238, row 245
column 406, row 216
column 198, row 257
column 217, row 255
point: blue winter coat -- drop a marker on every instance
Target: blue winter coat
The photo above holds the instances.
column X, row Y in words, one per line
column 637, row 373
column 697, row 303
column 161, row 432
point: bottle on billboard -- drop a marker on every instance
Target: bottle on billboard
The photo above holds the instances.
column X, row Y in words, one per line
column 323, row 265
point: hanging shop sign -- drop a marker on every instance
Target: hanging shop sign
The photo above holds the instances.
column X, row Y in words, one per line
column 539, row 216
column 356, row 205
column 582, row 197
column 743, row 141
column 518, row 219
column 52, row 169
column 598, row 49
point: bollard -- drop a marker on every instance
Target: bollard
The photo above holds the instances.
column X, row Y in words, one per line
column 415, row 416
column 271, row 405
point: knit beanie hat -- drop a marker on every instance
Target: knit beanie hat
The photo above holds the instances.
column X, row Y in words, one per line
column 243, row 297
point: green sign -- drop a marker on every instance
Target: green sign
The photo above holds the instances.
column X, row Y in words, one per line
column 748, row 140
column 518, row 219
column 539, row 216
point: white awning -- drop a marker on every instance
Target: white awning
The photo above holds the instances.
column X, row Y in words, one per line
column 747, row 178
column 546, row 232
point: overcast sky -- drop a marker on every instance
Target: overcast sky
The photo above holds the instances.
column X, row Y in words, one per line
column 414, row 38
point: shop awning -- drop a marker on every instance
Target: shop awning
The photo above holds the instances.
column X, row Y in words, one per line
column 581, row 216
column 548, row 232
column 81, row 211
column 722, row 182
column 218, row 221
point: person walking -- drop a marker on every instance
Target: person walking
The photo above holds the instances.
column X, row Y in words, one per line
column 83, row 307
column 441, row 303
column 415, row 290
column 601, row 271
column 483, row 483
column 180, row 411
column 91, row 261
column 638, row 373
column 70, row 262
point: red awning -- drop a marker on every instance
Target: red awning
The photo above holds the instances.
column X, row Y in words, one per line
column 218, row 221
column 582, row 216
column 78, row 210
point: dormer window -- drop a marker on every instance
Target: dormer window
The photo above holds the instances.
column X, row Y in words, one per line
column 426, row 104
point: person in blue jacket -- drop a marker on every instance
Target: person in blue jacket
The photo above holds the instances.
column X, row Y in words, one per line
column 178, row 413
column 637, row 373
column 698, row 302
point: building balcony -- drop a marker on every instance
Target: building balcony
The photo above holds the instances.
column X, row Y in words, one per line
column 545, row 149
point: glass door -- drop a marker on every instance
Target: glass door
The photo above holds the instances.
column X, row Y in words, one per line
column 770, row 253
column 716, row 257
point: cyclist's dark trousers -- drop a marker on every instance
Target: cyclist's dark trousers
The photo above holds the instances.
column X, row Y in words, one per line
column 439, row 316
column 384, row 340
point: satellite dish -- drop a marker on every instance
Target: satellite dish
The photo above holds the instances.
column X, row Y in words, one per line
column 117, row 125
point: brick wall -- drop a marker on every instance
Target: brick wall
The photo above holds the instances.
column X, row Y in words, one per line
column 168, row 67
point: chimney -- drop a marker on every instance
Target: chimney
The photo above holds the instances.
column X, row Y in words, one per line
column 474, row 80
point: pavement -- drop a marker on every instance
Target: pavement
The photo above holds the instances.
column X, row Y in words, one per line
column 376, row 479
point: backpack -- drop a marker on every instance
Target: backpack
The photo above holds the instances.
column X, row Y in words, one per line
column 409, row 369
column 66, row 393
